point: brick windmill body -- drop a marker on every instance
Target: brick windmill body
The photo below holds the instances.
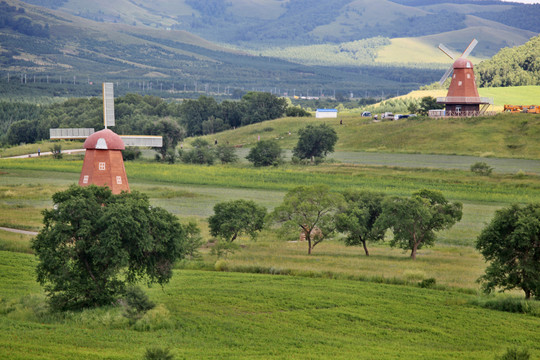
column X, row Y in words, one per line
column 462, row 98
column 103, row 164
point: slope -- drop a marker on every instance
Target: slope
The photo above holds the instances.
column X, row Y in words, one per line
column 76, row 48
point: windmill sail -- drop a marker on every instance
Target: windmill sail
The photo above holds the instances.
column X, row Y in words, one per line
column 469, row 48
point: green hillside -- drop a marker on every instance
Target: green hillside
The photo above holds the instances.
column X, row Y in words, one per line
column 83, row 52
column 504, row 135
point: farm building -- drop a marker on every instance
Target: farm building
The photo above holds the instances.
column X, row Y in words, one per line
column 326, row 113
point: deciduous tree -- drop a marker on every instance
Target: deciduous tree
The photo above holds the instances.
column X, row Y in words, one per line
column 415, row 220
column 311, row 210
column 358, row 218
column 511, row 243
column 315, row 141
column 94, row 242
column 233, row 218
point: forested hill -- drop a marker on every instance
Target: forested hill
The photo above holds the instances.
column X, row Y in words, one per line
column 516, row 66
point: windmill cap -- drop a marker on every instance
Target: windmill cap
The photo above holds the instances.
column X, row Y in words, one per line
column 463, row 63
column 104, row 140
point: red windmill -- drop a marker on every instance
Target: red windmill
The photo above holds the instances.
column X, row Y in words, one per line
column 462, row 98
column 103, row 164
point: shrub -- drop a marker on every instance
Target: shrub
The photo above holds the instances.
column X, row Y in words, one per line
column 131, row 154
column 56, row 150
column 155, row 319
column 481, row 168
column 515, row 354
column 136, row 298
column 427, row 283
column 157, row 353
column 265, row 153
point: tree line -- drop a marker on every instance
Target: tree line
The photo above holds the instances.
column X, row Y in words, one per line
column 510, row 242
column 136, row 115
column 516, row 66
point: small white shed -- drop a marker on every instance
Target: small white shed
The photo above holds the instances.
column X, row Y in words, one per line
column 326, row 113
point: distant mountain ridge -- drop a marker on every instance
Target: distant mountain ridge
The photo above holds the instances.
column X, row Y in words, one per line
column 141, row 45
column 266, row 23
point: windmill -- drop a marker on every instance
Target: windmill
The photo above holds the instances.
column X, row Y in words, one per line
column 462, row 98
column 103, row 164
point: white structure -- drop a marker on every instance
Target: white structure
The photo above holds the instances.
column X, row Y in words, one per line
column 326, row 113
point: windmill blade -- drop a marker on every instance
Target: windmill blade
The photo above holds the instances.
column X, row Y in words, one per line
column 447, row 51
column 446, row 75
column 469, row 48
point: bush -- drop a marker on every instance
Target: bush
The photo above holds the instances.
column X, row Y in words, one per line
column 56, row 150
column 295, row 111
column 427, row 283
column 155, row 319
column 481, row 168
column 226, row 154
column 137, row 299
column 131, row 154
column 515, row 354
column 265, row 153
column 158, row 353
column 200, row 154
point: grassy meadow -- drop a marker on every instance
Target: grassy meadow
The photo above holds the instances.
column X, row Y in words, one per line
column 269, row 299
column 503, row 135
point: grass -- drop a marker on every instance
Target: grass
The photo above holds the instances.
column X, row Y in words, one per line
column 14, row 242
column 455, row 184
column 504, row 135
column 44, row 146
column 250, row 316
column 336, row 303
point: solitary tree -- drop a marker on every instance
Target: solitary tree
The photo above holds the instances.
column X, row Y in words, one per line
column 265, row 153
column 171, row 132
column 315, row 142
column 310, row 209
column 511, row 243
column 357, row 221
column 415, row 220
column 233, row 218
column 94, row 242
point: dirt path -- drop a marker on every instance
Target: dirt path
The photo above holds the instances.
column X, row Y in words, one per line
column 25, row 232
column 45, row 153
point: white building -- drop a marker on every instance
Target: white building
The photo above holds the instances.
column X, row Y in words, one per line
column 326, row 113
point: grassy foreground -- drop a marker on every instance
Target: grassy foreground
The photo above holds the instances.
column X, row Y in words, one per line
column 209, row 315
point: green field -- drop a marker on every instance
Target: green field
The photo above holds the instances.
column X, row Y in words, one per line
column 209, row 315
column 270, row 299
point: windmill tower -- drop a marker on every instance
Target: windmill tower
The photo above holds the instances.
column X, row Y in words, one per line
column 103, row 164
column 462, row 98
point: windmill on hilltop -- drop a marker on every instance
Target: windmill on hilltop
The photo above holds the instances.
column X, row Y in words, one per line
column 462, row 98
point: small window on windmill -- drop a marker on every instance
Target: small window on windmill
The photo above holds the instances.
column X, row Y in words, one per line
column 454, row 76
column 102, row 166
column 85, row 179
column 119, row 180
column 460, row 83
column 468, row 76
